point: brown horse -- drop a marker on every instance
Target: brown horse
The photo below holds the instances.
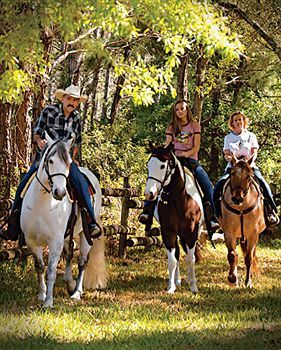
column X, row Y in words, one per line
column 179, row 211
column 242, row 218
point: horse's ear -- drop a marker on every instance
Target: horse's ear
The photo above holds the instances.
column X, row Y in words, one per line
column 170, row 146
column 251, row 160
column 151, row 147
column 70, row 142
column 234, row 160
column 48, row 138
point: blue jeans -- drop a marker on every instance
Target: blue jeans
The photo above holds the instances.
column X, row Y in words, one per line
column 218, row 192
column 77, row 179
column 266, row 189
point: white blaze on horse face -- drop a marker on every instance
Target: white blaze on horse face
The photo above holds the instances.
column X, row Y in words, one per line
column 156, row 175
column 57, row 167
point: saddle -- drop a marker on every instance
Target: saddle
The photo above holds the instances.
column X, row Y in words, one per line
column 77, row 201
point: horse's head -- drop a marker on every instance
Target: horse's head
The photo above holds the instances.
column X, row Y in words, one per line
column 160, row 168
column 54, row 166
column 240, row 178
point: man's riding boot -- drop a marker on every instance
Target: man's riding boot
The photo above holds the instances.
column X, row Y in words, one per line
column 14, row 230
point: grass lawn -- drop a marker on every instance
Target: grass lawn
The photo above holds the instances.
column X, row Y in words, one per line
column 135, row 312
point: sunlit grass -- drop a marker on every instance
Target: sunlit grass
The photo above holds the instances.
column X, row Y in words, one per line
column 135, row 312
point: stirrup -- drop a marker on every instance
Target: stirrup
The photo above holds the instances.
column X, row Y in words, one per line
column 143, row 218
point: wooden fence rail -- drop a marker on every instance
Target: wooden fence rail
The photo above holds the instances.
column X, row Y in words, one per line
column 129, row 201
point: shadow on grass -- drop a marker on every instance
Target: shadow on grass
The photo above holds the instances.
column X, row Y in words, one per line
column 258, row 339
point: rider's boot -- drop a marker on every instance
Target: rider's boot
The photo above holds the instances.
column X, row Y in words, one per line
column 146, row 217
column 212, row 224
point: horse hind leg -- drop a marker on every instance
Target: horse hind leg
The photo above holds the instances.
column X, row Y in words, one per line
column 82, row 263
column 190, row 262
column 68, row 278
column 177, row 272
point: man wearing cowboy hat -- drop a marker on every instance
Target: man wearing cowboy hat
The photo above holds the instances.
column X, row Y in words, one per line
column 61, row 121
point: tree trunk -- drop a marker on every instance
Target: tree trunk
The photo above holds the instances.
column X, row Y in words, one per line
column 5, row 150
column 215, row 133
column 201, row 66
column 105, row 95
column 23, row 133
column 117, row 95
column 182, row 87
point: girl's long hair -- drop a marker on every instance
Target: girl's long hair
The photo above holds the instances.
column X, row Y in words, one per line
column 174, row 120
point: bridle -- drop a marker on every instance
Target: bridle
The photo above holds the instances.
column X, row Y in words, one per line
column 169, row 171
column 46, row 168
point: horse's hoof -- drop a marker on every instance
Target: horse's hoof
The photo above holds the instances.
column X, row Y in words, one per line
column 194, row 289
column 178, row 283
column 48, row 305
column 76, row 295
column 171, row 290
column 42, row 297
column 232, row 279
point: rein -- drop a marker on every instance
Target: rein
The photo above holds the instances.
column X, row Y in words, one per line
column 168, row 173
column 243, row 212
column 46, row 167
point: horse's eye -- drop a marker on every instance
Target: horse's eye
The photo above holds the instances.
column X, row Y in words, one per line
column 162, row 166
column 51, row 161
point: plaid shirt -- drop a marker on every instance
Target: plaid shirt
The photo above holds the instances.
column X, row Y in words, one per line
column 57, row 125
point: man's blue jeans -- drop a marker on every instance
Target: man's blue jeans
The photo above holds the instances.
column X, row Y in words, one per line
column 77, row 179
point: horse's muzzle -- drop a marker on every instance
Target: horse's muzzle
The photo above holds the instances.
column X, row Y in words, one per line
column 236, row 200
column 58, row 195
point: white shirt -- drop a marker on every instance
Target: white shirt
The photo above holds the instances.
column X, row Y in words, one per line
column 241, row 144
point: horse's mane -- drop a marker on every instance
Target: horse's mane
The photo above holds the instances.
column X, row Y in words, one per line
column 62, row 152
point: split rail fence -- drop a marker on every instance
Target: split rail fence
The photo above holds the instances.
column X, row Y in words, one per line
column 128, row 237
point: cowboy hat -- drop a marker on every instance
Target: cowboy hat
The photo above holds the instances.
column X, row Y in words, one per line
column 73, row 91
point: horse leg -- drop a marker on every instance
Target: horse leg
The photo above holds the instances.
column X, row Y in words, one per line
column 249, row 250
column 70, row 282
column 82, row 263
column 232, row 258
column 177, row 272
column 190, row 262
column 40, row 267
column 55, row 250
column 172, row 266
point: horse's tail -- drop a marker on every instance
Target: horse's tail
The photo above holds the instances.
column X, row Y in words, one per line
column 95, row 276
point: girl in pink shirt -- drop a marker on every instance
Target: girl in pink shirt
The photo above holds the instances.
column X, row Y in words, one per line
column 184, row 132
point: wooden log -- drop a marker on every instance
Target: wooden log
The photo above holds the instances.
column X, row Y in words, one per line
column 105, row 201
column 118, row 229
column 121, row 192
column 143, row 241
column 15, row 253
column 6, row 204
column 135, row 204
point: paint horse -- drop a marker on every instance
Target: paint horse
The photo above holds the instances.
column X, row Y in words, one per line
column 179, row 211
column 46, row 209
column 242, row 218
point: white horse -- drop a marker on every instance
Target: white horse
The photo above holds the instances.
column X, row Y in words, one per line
column 45, row 212
column 179, row 211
